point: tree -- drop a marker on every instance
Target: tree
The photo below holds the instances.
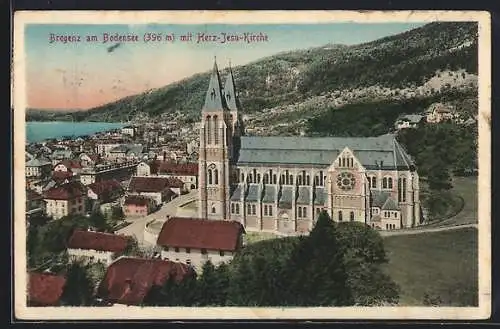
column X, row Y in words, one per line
column 222, row 284
column 316, row 269
column 79, row 289
column 206, row 285
column 117, row 213
column 439, row 178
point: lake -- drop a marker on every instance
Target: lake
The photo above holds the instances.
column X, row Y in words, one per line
column 39, row 131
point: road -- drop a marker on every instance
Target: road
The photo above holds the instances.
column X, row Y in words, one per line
column 136, row 228
column 425, row 230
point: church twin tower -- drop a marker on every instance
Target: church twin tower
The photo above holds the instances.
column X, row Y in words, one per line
column 219, row 143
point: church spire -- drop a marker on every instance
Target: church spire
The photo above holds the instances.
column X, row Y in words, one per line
column 230, row 91
column 214, row 100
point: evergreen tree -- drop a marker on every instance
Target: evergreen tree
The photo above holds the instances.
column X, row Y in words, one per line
column 79, row 289
column 207, row 285
column 222, row 284
column 316, row 269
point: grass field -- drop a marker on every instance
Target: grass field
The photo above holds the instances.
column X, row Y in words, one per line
column 441, row 264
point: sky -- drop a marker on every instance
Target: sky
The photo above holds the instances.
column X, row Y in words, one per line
column 85, row 74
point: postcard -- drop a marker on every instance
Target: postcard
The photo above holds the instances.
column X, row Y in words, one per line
column 252, row 165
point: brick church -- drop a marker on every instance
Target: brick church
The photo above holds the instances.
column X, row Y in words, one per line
column 281, row 184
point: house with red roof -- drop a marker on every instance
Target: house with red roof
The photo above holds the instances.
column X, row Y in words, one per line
column 98, row 247
column 130, row 280
column 68, row 166
column 66, row 199
column 185, row 172
column 156, row 188
column 35, row 205
column 138, row 206
column 45, row 289
column 195, row 241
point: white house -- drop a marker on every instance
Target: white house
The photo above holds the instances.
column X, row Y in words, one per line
column 195, row 241
column 37, row 168
column 89, row 246
column 66, row 199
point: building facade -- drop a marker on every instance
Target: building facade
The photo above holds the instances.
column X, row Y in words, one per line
column 281, row 184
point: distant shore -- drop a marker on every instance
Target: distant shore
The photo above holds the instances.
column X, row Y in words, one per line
column 38, row 131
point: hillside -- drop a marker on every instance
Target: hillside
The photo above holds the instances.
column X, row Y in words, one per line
column 418, row 63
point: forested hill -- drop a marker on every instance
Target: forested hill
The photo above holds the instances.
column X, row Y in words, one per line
column 406, row 60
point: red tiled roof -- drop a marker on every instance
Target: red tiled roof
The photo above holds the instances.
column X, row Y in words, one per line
column 71, row 164
column 175, row 182
column 181, row 169
column 45, row 289
column 136, row 200
column 66, row 191
column 106, row 189
column 128, row 280
column 200, row 234
column 61, row 175
column 148, row 184
column 97, row 241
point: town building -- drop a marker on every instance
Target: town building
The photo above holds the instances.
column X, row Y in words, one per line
column 103, row 193
column 68, row 166
column 130, row 280
column 66, row 199
column 408, row 121
column 38, row 168
column 439, row 112
column 195, row 241
column 96, row 247
column 281, row 184
column 129, row 130
column 138, row 206
column 156, row 188
column 35, row 204
column 59, row 155
column 119, row 171
column 45, row 289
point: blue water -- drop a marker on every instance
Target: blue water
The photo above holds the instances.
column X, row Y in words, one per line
column 39, row 131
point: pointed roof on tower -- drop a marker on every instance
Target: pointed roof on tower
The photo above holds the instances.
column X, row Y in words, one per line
column 230, row 91
column 214, row 100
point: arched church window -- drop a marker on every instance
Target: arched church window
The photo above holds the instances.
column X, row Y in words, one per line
column 216, row 176
column 374, row 182
column 389, row 182
column 282, row 181
column 343, row 162
column 340, row 215
column 399, row 190
column 308, row 180
column 304, row 212
column 404, row 189
column 274, row 178
column 237, row 208
column 291, row 179
column 216, row 130
column 232, row 208
column 384, row 182
column 209, row 176
column 208, row 131
column 351, row 216
column 213, row 210
column 299, row 212
column 352, row 162
column 249, row 209
column 253, row 210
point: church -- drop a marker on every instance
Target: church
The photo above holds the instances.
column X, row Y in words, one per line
column 281, row 184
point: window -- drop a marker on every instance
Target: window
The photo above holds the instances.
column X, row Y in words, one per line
column 237, row 209
column 374, row 182
column 216, row 176
column 340, row 215
column 242, row 177
column 249, row 209
column 176, row 249
column 209, row 176
column 299, row 180
column 188, row 261
column 343, row 162
column 384, row 182
column 270, row 210
column 188, row 250
column 274, row 179
column 221, row 253
column 386, row 226
column 216, row 130
column 209, row 130
column 250, row 178
column 213, row 210
column 389, row 182
column 304, row 212
column 258, row 178
column 203, row 251
column 291, row 179
column 266, row 179
column 395, row 214
column 404, row 189
column 253, row 210
column 232, row 208
column 351, row 216
column 308, row 181
column 265, row 210
column 399, row 189
column 300, row 212
column 316, row 180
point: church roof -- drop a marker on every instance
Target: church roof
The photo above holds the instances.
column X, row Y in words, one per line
column 379, row 198
column 319, row 196
column 236, row 194
column 370, row 151
column 230, row 92
column 214, row 100
column 253, row 192
column 390, row 204
column 286, row 197
column 269, row 194
column 304, row 195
